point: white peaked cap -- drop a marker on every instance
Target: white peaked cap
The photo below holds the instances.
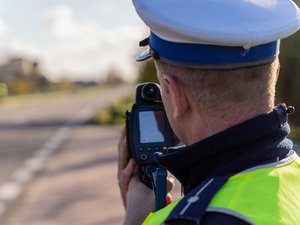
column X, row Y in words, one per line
column 232, row 24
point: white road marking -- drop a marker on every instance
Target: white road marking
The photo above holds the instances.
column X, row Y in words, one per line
column 35, row 163
column 43, row 152
column 22, row 175
column 9, row 191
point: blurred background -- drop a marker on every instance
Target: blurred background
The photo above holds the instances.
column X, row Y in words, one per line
column 67, row 75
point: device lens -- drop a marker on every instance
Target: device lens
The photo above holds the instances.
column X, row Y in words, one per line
column 150, row 92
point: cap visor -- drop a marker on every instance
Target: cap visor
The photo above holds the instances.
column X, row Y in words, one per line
column 144, row 56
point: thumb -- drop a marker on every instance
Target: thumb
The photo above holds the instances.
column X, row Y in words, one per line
column 169, row 199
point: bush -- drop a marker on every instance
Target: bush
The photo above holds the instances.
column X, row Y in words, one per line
column 114, row 114
column 148, row 72
column 3, row 90
column 288, row 89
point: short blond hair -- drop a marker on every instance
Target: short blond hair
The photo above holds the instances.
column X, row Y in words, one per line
column 227, row 91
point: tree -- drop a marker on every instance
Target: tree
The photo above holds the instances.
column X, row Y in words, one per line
column 288, row 89
column 147, row 72
column 3, row 91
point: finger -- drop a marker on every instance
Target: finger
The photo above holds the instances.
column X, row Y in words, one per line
column 123, row 135
column 124, row 179
column 123, row 154
column 170, row 183
column 126, row 174
column 136, row 170
column 169, row 199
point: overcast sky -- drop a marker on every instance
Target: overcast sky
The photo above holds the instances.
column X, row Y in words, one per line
column 81, row 39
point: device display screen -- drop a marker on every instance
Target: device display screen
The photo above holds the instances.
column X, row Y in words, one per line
column 152, row 126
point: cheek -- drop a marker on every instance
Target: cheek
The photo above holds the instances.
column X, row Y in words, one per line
column 167, row 106
column 169, row 112
column 166, row 102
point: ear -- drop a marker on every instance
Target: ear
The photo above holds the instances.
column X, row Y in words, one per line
column 278, row 70
column 178, row 96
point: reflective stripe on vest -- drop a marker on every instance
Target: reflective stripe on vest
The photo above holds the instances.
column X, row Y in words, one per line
column 265, row 195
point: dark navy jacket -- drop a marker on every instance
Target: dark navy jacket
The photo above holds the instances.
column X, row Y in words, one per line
column 254, row 142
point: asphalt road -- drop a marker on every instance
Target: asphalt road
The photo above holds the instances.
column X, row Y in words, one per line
column 77, row 186
column 26, row 127
column 32, row 132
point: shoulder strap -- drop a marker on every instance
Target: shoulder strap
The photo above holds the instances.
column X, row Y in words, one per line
column 193, row 206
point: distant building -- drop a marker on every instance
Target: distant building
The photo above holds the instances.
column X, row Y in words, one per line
column 18, row 68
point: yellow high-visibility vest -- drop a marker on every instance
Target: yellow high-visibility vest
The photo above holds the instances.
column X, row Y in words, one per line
column 264, row 195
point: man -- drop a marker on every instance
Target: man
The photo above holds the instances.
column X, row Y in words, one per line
column 217, row 63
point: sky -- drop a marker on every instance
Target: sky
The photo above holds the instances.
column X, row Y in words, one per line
column 73, row 39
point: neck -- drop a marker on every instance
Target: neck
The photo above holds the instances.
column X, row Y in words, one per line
column 209, row 123
column 232, row 150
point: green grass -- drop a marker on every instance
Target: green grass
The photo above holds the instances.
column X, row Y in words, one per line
column 36, row 97
column 18, row 100
column 114, row 114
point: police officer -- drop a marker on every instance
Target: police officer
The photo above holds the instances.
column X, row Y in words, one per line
column 217, row 63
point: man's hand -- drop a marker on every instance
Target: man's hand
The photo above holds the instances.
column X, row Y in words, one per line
column 137, row 198
column 126, row 168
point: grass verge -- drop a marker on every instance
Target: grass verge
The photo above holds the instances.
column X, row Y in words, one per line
column 114, row 114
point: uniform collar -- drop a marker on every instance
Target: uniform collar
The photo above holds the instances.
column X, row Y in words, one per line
column 251, row 143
